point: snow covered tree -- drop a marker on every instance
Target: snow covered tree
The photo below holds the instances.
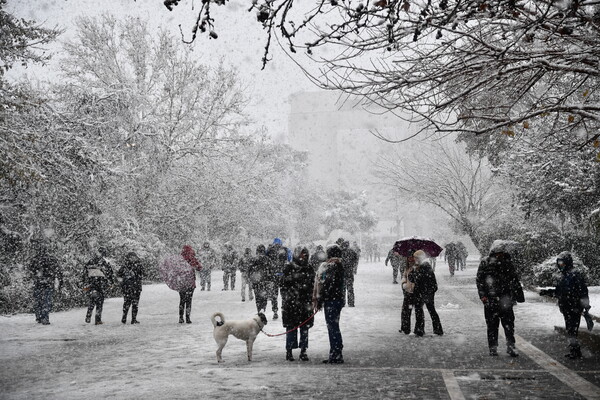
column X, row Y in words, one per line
column 347, row 211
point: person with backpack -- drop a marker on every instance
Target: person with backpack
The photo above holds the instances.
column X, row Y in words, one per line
column 244, row 267
column 44, row 272
column 132, row 274
column 499, row 290
column 328, row 294
column 296, row 302
column 97, row 278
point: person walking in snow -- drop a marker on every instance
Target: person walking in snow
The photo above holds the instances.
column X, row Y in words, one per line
column 350, row 262
column 186, row 295
column 328, row 293
column 208, row 260
column 132, row 274
column 296, row 302
column 425, row 286
column 461, row 256
column 260, row 275
column 229, row 262
column 98, row 276
column 44, row 271
column 450, row 256
column 499, row 289
column 278, row 254
column 244, row 267
column 573, row 300
column 408, row 288
column 398, row 263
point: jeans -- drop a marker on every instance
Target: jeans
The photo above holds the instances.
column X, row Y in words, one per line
column 131, row 299
column 291, row 339
column 572, row 321
column 96, row 299
column 333, row 309
column 496, row 312
column 42, row 303
column 205, row 276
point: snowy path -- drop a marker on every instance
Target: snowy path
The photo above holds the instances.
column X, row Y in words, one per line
column 161, row 359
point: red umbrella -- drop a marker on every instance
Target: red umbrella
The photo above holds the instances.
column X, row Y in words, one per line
column 405, row 247
column 177, row 273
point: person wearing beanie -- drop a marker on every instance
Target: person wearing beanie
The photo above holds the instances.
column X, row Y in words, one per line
column 424, row 293
column 573, row 300
column 329, row 294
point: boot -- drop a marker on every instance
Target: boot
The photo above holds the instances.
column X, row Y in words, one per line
column 511, row 351
column 289, row 356
column 134, row 321
column 181, row 321
column 275, row 316
column 303, row 355
column 493, row 351
column 124, row 319
column 574, row 353
column 187, row 316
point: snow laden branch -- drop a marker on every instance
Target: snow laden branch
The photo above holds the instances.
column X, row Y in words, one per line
column 474, row 66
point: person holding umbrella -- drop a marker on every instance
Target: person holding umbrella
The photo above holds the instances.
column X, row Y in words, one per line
column 186, row 294
column 425, row 286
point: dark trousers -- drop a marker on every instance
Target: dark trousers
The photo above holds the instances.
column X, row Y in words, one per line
column 452, row 266
column 261, row 295
column 420, row 316
column 185, row 302
column 205, row 279
column 333, row 310
column 407, row 306
column 131, row 300
column 229, row 275
column 291, row 338
column 572, row 321
column 395, row 273
column 495, row 313
column 42, row 297
column 349, row 289
column 273, row 295
column 96, row 300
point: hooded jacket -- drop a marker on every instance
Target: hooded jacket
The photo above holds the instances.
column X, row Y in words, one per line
column 297, row 290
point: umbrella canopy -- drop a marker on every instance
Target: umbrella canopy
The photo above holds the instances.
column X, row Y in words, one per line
column 177, row 273
column 406, row 246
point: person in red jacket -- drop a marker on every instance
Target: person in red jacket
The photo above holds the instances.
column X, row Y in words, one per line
column 185, row 296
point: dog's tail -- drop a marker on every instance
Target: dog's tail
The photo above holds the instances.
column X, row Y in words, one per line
column 214, row 320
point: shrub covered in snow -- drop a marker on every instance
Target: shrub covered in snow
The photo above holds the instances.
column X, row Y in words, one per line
column 547, row 273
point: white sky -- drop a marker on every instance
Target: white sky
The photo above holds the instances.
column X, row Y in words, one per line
column 241, row 42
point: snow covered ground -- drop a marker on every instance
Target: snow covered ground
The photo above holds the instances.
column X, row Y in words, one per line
column 161, row 359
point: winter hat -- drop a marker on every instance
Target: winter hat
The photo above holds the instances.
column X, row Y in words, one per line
column 420, row 256
column 565, row 258
column 277, row 241
column 260, row 249
column 339, row 241
column 334, row 251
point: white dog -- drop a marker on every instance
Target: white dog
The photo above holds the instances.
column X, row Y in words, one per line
column 246, row 330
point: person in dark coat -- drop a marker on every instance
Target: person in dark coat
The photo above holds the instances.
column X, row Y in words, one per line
column 278, row 254
column 186, row 295
column 498, row 285
column 98, row 276
column 328, row 293
column 573, row 300
column 208, row 259
column 296, row 302
column 261, row 277
column 132, row 274
column 398, row 263
column 318, row 257
column 425, row 287
column 230, row 260
column 350, row 263
column 408, row 288
column 44, row 272
column 451, row 257
column 244, row 267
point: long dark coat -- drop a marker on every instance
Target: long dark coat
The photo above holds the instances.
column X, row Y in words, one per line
column 425, row 283
column 132, row 272
column 260, row 274
column 572, row 292
column 296, row 294
column 498, row 279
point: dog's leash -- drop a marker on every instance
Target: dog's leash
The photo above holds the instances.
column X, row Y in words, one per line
column 291, row 330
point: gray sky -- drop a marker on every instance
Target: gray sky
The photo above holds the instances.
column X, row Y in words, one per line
column 241, row 42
